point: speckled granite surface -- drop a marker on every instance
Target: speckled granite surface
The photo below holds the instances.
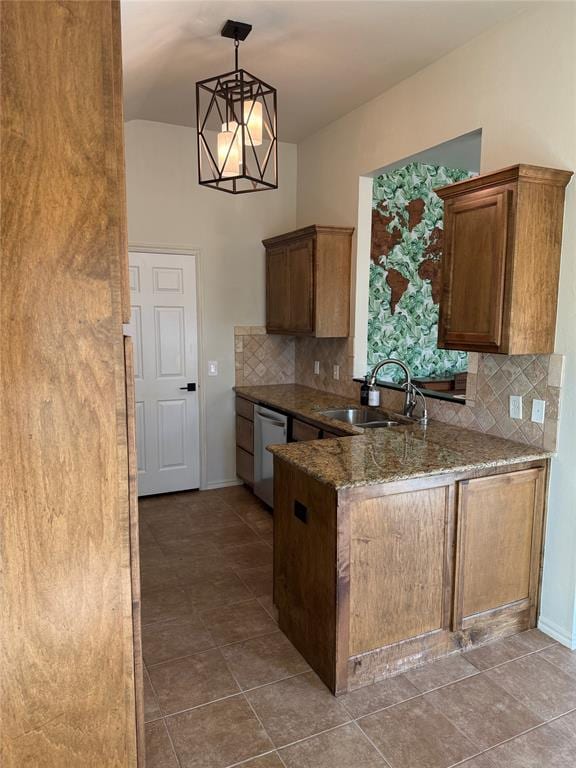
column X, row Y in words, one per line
column 301, row 401
column 373, row 456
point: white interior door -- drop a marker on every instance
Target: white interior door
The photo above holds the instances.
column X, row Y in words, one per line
column 164, row 329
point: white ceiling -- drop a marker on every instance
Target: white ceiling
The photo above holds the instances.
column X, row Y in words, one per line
column 325, row 57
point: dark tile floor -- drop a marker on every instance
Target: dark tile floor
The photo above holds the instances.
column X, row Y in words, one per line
column 224, row 687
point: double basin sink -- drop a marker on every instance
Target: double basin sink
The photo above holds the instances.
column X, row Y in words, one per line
column 366, row 417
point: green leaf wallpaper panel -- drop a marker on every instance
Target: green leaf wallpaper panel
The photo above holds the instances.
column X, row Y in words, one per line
column 404, row 271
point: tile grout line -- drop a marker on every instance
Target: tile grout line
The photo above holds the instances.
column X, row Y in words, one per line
column 214, row 647
column 355, row 722
column 571, row 675
column 234, row 695
column 512, row 738
column 455, row 682
column 438, row 687
column 522, row 733
column 247, row 700
column 176, row 755
column 292, row 743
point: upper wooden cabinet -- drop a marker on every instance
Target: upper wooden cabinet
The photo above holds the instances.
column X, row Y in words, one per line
column 501, row 261
column 308, row 282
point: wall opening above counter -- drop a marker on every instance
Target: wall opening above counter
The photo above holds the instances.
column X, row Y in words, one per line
column 403, row 279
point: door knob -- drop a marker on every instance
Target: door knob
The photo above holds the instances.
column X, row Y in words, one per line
column 190, row 387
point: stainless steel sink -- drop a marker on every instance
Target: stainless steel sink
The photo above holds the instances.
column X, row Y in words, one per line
column 366, row 417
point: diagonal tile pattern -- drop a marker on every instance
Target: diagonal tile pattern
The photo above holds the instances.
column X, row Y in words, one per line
column 262, row 359
column 225, row 688
column 491, row 380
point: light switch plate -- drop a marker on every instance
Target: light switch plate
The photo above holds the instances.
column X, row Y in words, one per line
column 336, row 372
column 316, row 367
column 515, row 406
column 538, row 411
column 212, row 367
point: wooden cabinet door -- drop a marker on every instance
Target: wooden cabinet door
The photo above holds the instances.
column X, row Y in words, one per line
column 245, row 433
column 277, row 290
column 301, row 285
column 401, row 578
column 301, row 431
column 499, row 543
column 473, row 271
column 244, row 465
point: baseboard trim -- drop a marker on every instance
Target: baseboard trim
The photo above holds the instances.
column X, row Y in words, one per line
column 220, row 484
column 557, row 632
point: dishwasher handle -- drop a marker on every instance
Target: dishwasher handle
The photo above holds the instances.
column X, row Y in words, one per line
column 268, row 420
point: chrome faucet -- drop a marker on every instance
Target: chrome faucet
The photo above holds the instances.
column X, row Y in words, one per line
column 412, row 391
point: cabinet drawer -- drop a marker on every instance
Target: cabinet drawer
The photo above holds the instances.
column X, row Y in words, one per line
column 245, row 465
column 245, row 408
column 245, row 434
column 302, row 431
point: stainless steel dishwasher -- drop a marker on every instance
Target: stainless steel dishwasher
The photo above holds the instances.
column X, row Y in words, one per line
column 270, row 428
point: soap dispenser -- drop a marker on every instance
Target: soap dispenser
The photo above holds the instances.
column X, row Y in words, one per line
column 365, row 391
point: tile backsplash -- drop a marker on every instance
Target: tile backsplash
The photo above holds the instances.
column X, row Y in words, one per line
column 328, row 352
column 491, row 381
column 263, row 359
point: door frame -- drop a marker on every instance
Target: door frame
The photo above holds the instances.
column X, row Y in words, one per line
column 184, row 250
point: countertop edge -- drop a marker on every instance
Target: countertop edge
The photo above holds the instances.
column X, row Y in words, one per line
column 277, row 451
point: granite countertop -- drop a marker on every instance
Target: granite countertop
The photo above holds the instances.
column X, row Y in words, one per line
column 373, row 456
column 302, row 402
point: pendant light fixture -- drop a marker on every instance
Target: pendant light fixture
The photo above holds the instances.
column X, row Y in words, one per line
column 236, row 118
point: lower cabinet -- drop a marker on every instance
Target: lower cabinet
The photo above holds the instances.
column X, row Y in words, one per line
column 245, row 440
column 371, row 581
column 400, row 566
column 301, row 431
column 499, row 545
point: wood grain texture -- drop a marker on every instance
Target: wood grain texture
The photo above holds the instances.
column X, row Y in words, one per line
column 118, row 104
column 332, row 282
column 501, row 262
column 308, row 274
column 245, row 434
column 498, row 523
column 534, row 288
column 303, row 431
column 384, row 662
column 301, row 306
column 397, row 567
column 391, row 599
column 277, row 290
column 134, row 546
column 245, row 408
column 245, row 465
column 305, row 567
column 67, row 666
column 474, row 269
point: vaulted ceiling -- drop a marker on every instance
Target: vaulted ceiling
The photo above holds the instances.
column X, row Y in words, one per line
column 325, row 57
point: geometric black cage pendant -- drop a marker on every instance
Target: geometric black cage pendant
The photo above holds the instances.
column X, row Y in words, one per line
column 236, row 119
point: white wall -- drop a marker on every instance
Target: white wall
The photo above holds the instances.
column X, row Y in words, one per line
column 517, row 84
column 166, row 206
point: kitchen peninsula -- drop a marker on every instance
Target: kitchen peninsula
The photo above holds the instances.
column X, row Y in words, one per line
column 399, row 545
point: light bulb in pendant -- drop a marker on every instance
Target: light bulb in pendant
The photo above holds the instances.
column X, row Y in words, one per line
column 229, row 152
column 253, row 122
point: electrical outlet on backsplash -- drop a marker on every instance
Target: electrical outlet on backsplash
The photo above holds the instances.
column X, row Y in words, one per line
column 264, row 359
